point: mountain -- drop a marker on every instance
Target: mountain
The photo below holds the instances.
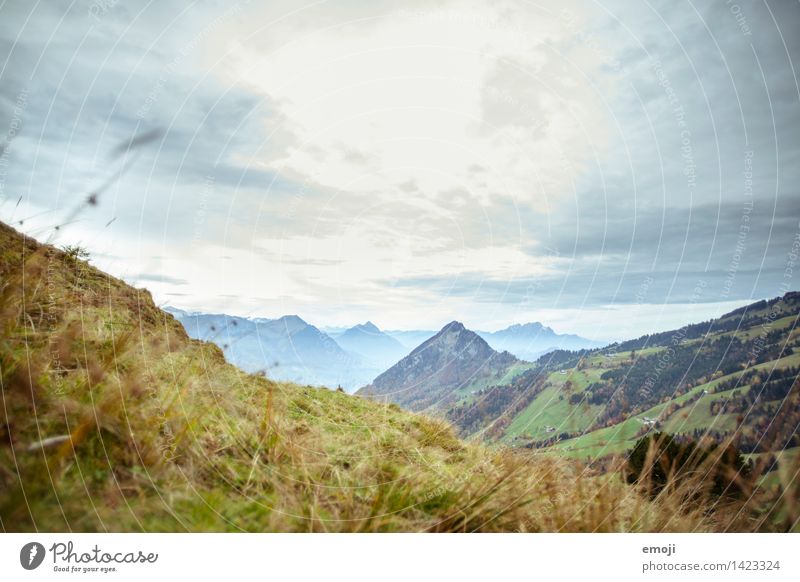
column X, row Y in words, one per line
column 528, row 341
column 373, row 345
column 734, row 377
column 452, row 361
column 214, row 327
column 411, row 338
column 287, row 348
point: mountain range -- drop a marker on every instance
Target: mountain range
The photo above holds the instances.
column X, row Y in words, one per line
column 289, row 348
column 528, row 341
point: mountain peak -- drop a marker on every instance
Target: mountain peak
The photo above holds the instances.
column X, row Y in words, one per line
column 533, row 326
column 454, row 358
column 367, row 341
column 530, row 340
column 291, row 323
column 367, row 328
column 453, row 326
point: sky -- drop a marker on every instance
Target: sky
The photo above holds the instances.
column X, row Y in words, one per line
column 609, row 168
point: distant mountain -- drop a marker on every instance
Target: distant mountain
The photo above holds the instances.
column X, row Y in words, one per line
column 287, row 348
column 373, row 345
column 453, row 360
column 411, row 338
column 528, row 341
column 215, row 327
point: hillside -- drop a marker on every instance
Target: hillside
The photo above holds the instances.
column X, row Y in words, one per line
column 732, row 377
column 115, row 420
column 453, row 362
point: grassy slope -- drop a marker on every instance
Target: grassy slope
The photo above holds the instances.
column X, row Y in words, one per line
column 113, row 419
column 466, row 393
column 621, row 437
column 551, row 407
column 549, row 410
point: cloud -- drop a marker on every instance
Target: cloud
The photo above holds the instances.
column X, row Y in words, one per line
column 387, row 160
column 156, row 278
column 424, row 97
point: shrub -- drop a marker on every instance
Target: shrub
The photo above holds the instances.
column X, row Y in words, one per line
column 661, row 460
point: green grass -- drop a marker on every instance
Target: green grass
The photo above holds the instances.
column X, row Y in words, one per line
column 514, row 371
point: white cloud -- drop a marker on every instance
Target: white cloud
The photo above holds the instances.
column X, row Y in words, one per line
column 415, row 133
column 426, row 96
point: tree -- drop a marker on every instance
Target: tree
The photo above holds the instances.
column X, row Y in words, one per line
column 76, row 252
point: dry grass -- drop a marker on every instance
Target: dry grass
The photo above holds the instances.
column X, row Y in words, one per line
column 114, row 420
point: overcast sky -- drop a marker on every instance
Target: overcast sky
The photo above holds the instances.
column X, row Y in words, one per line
column 608, row 168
